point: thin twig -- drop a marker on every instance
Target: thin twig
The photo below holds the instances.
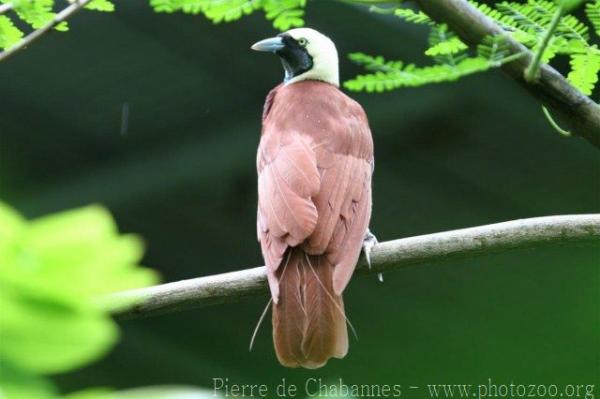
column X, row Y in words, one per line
column 531, row 72
column 385, row 257
column 36, row 34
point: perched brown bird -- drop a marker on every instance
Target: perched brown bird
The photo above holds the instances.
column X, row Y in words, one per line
column 315, row 162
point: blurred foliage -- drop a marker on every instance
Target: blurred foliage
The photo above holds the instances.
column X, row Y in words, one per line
column 52, row 270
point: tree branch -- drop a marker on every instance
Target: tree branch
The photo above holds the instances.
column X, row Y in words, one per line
column 36, row 34
column 578, row 111
column 4, row 8
column 386, row 256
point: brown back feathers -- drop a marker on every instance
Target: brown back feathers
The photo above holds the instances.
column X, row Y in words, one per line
column 315, row 161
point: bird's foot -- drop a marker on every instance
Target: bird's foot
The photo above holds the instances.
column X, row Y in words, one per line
column 369, row 242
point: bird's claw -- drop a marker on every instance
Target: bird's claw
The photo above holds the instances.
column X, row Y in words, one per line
column 369, row 242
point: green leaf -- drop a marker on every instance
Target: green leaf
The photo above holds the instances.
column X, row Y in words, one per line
column 37, row 13
column 494, row 49
column 412, row 76
column 285, row 14
column 101, row 5
column 17, row 384
column 371, row 63
column 584, row 71
column 11, row 223
column 44, row 335
column 51, row 276
column 9, row 36
column 415, row 17
column 166, row 6
column 389, row 75
column 229, row 10
column 592, row 11
column 445, row 46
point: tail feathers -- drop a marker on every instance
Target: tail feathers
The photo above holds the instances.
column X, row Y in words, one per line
column 309, row 324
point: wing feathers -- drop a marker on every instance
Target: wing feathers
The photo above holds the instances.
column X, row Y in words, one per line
column 286, row 185
column 314, row 164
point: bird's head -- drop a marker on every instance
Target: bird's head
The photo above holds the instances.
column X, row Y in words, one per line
column 305, row 54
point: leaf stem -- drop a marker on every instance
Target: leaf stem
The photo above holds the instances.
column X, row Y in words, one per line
column 531, row 73
column 553, row 123
column 513, row 57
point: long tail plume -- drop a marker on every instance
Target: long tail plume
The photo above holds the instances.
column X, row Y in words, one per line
column 260, row 320
column 309, row 323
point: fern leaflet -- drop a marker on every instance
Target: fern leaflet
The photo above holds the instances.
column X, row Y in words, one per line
column 389, row 75
column 9, row 33
column 445, row 46
column 285, row 14
column 592, row 11
column 416, row 17
column 584, row 71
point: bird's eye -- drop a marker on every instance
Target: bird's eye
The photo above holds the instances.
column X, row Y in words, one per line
column 303, row 42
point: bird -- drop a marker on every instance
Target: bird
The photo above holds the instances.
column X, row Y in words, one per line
column 315, row 163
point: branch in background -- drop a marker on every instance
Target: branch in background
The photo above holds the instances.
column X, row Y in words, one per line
column 5, row 8
column 579, row 112
column 386, row 256
column 62, row 16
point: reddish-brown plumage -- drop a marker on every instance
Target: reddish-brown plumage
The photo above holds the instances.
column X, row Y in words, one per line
column 315, row 161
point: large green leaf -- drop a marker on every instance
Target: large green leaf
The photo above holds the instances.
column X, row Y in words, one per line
column 52, row 272
column 16, row 384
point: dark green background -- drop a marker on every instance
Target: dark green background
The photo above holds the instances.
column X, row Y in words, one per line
column 448, row 156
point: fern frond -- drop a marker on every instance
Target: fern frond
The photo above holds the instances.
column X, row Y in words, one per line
column 9, row 33
column 389, row 75
column 494, row 49
column 573, row 28
column 374, row 63
column 166, row 6
column 285, row 14
column 525, row 16
column 592, row 11
column 507, row 23
column 101, row 5
column 229, row 10
column 569, row 26
column 37, row 13
column 584, row 71
column 415, row 17
column 191, row 6
column 444, row 46
column 412, row 76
